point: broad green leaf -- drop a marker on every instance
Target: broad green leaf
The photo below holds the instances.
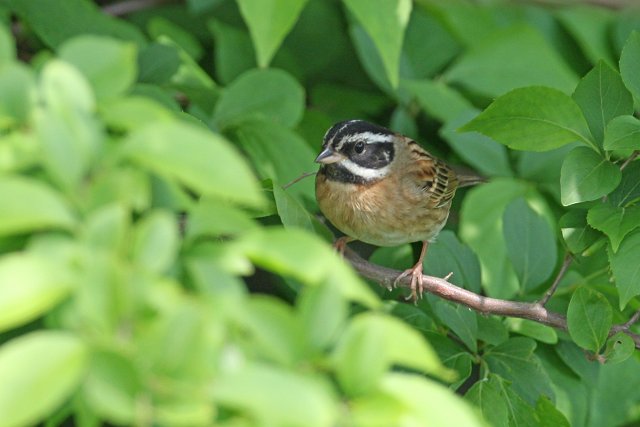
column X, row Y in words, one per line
column 273, row 95
column 17, row 94
column 29, row 287
column 440, row 408
column 549, row 414
column 301, row 400
column 590, row 26
column 448, row 255
column 514, row 361
column 39, row 372
column 199, row 159
column 630, row 63
column 372, row 343
column 212, row 217
column 626, row 268
column 481, row 229
column 531, row 244
column 620, row 347
column 293, row 214
column 265, row 142
column 107, row 227
column 55, row 21
column 32, row 206
column 492, row 330
column 370, row 58
column 160, row 26
column 158, row 63
column 303, row 256
column 532, row 118
column 437, row 99
column 615, row 222
column 385, row 21
column 613, row 394
column 532, row 62
column 269, row 21
column 108, row 64
column 628, row 192
column 7, row 47
column 622, row 133
column 487, row 395
column 323, row 315
column 127, row 114
column 543, row 167
column 155, row 242
column 576, row 232
column 479, row 151
column 461, row 320
column 589, row 318
column 602, row 96
column 532, row 329
column 234, row 53
column 586, row 175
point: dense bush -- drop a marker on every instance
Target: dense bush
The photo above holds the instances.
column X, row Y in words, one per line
column 155, row 268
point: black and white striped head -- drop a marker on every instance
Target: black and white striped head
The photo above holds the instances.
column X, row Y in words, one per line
column 356, row 151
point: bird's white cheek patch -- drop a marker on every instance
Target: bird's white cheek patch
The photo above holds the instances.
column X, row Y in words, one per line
column 363, row 172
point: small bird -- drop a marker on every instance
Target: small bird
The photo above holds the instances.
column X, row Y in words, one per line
column 382, row 188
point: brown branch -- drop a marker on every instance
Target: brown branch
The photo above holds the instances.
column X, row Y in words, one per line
column 440, row 287
column 565, row 265
column 631, row 158
column 130, row 6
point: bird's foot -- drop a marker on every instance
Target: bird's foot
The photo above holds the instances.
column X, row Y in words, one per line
column 341, row 244
column 416, row 285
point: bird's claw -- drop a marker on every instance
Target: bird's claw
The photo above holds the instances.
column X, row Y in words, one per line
column 416, row 285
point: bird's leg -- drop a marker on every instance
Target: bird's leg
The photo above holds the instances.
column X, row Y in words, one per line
column 341, row 244
column 417, row 287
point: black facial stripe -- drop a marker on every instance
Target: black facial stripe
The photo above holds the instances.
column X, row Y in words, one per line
column 338, row 173
column 352, row 127
column 375, row 156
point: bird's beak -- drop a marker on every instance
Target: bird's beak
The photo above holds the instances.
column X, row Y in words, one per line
column 328, row 156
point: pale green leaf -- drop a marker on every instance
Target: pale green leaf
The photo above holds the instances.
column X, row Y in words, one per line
column 626, row 268
column 630, row 64
column 614, row 221
column 622, row 133
column 586, row 175
column 589, row 318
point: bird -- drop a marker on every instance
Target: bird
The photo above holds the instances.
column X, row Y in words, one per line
column 383, row 188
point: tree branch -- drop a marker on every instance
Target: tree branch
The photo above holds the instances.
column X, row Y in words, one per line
column 565, row 265
column 440, row 287
column 130, row 6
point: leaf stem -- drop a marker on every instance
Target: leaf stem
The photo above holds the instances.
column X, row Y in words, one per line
column 565, row 265
column 298, row 179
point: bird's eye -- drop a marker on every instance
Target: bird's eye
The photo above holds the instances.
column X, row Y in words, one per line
column 359, row 147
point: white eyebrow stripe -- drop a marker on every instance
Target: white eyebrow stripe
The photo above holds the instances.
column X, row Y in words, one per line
column 371, row 138
column 363, row 172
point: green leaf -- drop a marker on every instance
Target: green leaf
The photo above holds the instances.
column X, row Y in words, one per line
column 293, row 214
column 29, row 287
column 46, row 367
column 626, row 268
column 532, row 62
column 55, row 21
column 479, row 151
column 622, row 133
column 576, row 232
column 437, row 99
column 448, row 255
column 535, row 330
column 591, row 28
column 620, row 347
column 156, row 241
column 233, row 52
column 212, row 217
column 488, row 396
column 195, row 157
column 269, row 21
column 303, row 256
column 265, row 142
column 160, row 26
column 441, row 408
column 586, row 175
column 515, row 361
column 385, row 22
column 532, row 118
column 461, row 320
column 615, row 222
column 158, row 63
column 589, row 318
column 302, row 399
column 628, row 192
column 323, row 315
column 531, row 244
column 372, row 343
column 17, row 94
column 630, row 64
column 272, row 94
column 34, row 206
column 7, row 47
column 602, row 96
column 549, row 414
column 108, row 64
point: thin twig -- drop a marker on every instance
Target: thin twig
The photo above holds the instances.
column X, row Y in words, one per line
column 130, row 6
column 300, row 178
column 440, row 287
column 565, row 265
column 631, row 158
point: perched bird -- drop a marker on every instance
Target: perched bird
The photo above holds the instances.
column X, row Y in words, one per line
column 382, row 188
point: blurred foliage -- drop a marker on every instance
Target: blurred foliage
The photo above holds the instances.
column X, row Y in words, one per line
column 154, row 271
